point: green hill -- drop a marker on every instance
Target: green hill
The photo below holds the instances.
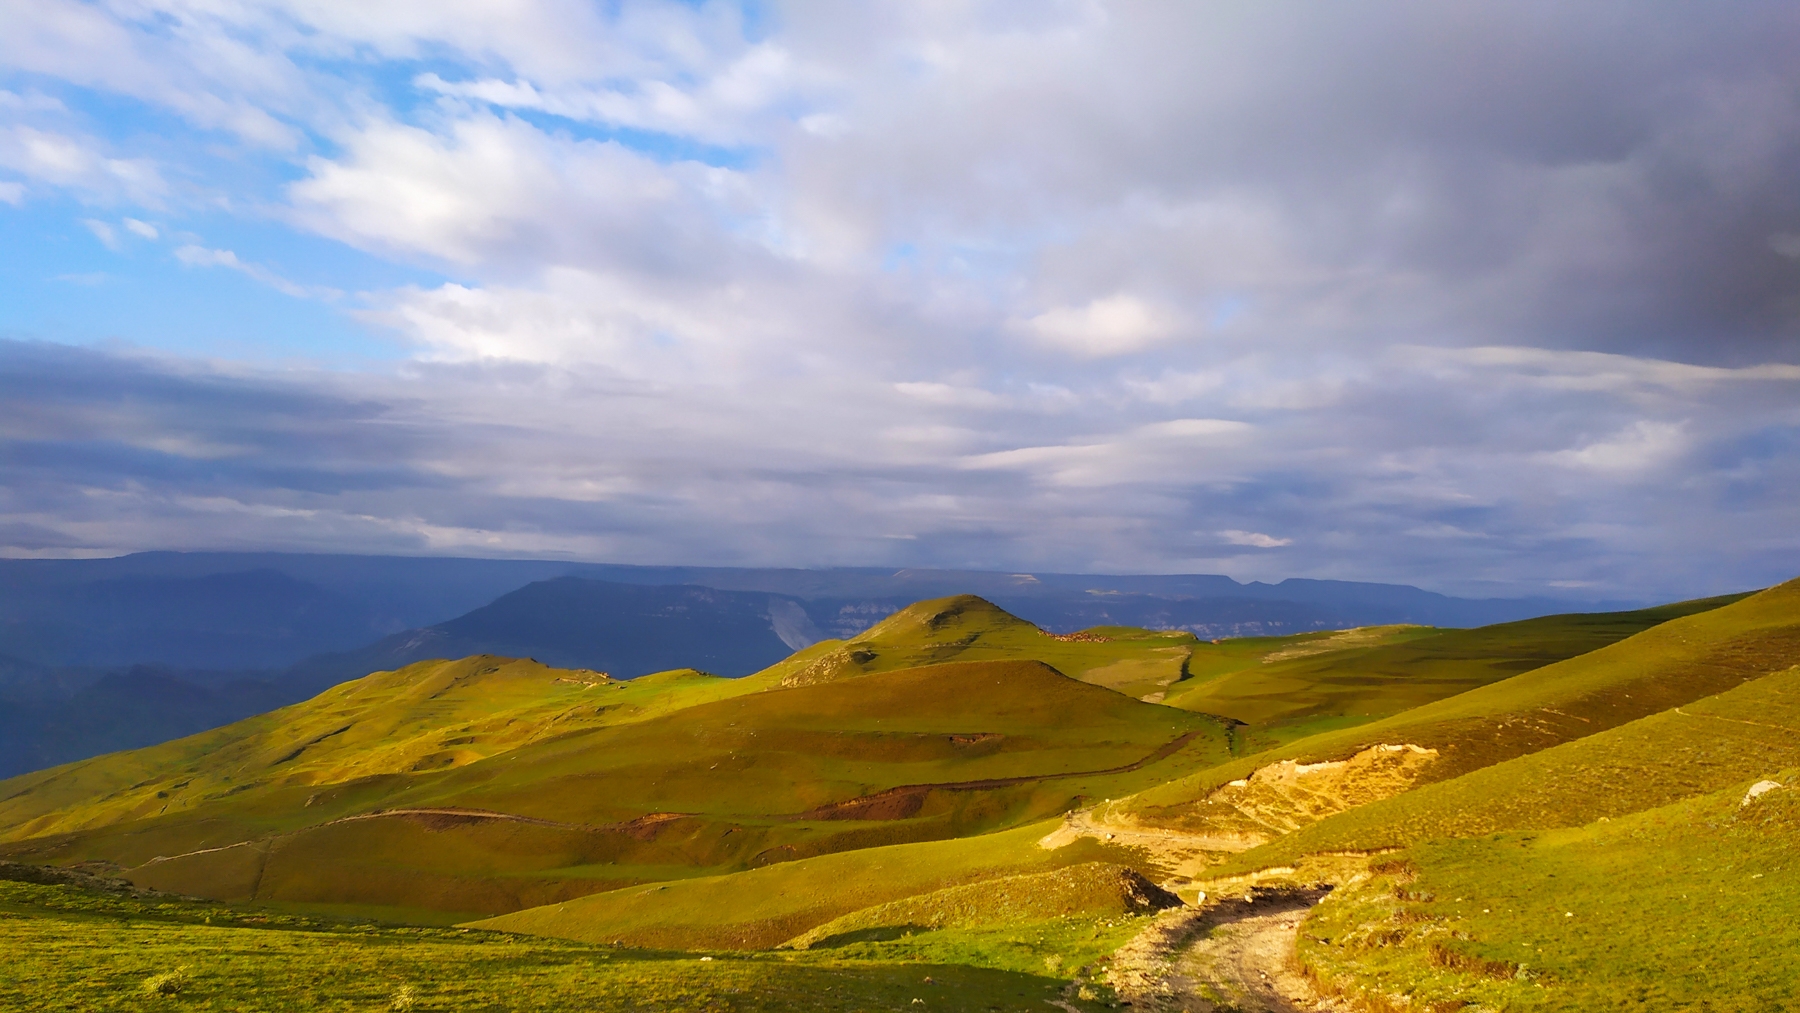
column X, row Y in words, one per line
column 592, row 794
column 1685, row 906
column 967, row 628
column 1670, row 664
column 1285, row 688
column 897, row 800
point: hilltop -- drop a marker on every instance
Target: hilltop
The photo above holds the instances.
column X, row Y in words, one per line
column 957, row 785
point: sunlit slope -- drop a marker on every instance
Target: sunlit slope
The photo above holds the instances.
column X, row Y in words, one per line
column 428, row 716
column 766, row 907
column 1686, row 906
column 967, row 628
column 92, row 950
column 1285, row 688
column 733, row 783
column 1666, row 666
column 1701, row 746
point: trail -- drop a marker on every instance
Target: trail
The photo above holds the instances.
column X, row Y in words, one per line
column 1186, row 856
column 1233, row 955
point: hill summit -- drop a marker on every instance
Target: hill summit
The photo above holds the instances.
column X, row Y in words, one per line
column 925, row 633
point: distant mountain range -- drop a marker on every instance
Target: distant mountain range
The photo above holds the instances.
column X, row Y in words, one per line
column 105, row 654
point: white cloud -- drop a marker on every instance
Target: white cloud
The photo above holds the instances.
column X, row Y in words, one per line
column 108, row 237
column 1113, row 325
column 193, row 255
column 1642, row 446
column 77, row 164
column 1065, row 284
column 1254, row 539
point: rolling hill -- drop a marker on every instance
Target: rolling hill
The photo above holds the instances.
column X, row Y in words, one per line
column 488, row 784
column 957, row 786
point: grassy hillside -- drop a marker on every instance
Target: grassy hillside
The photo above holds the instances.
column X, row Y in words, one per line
column 593, row 795
column 1706, row 745
column 1668, row 665
column 966, row 628
column 92, row 950
column 1284, row 688
column 765, row 907
column 1686, row 906
column 428, row 716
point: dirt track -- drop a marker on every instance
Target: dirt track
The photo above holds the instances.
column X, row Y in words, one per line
column 1229, row 955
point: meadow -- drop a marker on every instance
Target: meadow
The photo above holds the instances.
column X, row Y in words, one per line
column 77, row 950
column 953, row 809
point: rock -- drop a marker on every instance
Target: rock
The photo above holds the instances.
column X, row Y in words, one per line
column 1758, row 789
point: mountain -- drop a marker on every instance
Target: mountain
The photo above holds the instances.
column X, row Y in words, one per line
column 958, row 806
column 237, row 611
column 626, row 630
column 116, row 653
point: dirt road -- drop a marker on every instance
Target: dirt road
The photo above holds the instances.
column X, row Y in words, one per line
column 1228, row 955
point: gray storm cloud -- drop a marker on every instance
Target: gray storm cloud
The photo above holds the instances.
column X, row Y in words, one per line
column 1482, row 298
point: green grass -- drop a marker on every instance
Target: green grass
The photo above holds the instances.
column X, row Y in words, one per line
column 1677, row 662
column 1688, row 906
column 69, row 949
column 742, row 778
column 1088, row 889
column 1290, row 687
column 765, row 907
column 427, row 716
column 1131, row 661
column 1652, row 762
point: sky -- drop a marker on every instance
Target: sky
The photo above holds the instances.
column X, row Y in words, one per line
column 1495, row 299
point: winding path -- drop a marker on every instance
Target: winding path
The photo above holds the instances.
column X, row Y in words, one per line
column 1227, row 955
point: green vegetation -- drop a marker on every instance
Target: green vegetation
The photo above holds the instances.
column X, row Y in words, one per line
column 1090, row 888
column 597, row 795
column 1556, row 811
column 1671, row 664
column 1131, row 661
column 766, row 907
column 1285, row 688
column 70, row 949
column 1651, row 762
column 1688, row 906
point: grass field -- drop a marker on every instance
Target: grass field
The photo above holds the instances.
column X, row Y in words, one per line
column 1703, row 746
column 1286, row 688
column 723, row 785
column 1685, row 907
column 76, row 950
column 1671, row 664
column 766, row 907
column 1130, row 661
column 876, row 805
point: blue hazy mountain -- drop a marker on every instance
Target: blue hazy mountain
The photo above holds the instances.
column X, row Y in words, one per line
column 105, row 654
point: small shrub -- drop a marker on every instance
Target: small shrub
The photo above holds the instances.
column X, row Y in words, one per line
column 166, row 983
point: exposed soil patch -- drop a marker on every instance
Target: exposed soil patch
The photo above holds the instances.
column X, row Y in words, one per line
column 1228, row 955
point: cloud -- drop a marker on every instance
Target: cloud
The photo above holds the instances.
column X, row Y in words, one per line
column 1255, row 539
column 108, row 236
column 1438, row 293
column 1643, row 446
column 1112, row 325
column 193, row 255
column 76, row 163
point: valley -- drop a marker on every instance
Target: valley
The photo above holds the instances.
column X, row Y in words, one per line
column 957, row 807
